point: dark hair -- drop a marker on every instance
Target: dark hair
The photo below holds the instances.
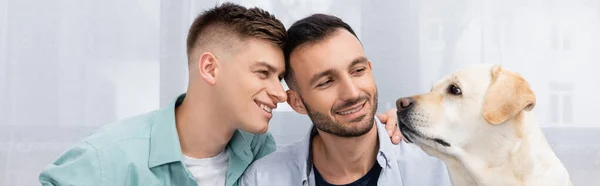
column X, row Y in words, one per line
column 213, row 25
column 310, row 30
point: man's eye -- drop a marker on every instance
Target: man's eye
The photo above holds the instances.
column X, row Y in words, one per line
column 359, row 71
column 263, row 74
column 324, row 83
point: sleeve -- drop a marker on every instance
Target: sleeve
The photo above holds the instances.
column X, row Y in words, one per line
column 264, row 145
column 79, row 165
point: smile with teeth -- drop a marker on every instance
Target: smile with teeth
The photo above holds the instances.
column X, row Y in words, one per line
column 265, row 108
column 352, row 111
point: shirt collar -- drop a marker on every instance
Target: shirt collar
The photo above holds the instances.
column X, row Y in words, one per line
column 240, row 155
column 164, row 141
column 240, row 145
column 386, row 147
column 305, row 150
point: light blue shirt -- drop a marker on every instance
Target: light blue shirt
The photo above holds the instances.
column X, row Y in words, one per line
column 145, row 150
column 402, row 164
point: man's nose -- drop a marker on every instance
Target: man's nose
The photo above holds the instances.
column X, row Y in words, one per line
column 277, row 93
column 349, row 90
column 404, row 103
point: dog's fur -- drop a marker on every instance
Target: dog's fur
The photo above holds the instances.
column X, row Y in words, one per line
column 487, row 135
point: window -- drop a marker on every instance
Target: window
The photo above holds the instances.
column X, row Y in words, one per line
column 561, row 103
column 560, row 40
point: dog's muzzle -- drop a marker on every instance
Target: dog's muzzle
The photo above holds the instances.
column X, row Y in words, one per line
column 404, row 106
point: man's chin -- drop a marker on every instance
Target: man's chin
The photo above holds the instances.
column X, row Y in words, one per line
column 261, row 131
column 360, row 126
column 256, row 129
column 352, row 129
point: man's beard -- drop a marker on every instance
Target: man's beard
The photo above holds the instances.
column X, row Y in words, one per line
column 326, row 124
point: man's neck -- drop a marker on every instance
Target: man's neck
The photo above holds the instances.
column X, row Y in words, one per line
column 342, row 160
column 202, row 133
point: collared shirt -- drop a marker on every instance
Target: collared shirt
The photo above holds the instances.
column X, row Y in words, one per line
column 403, row 164
column 145, row 150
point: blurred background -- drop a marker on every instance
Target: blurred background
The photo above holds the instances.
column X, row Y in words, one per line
column 69, row 67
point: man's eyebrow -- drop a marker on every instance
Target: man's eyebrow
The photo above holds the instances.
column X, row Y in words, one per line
column 269, row 67
column 316, row 77
column 264, row 64
column 358, row 60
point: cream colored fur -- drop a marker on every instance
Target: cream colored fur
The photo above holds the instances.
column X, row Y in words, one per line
column 493, row 135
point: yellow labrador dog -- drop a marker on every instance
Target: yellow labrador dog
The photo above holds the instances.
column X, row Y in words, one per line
column 479, row 121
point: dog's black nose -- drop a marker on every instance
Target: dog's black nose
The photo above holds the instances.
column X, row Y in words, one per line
column 404, row 103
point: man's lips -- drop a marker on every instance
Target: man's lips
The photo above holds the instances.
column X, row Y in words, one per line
column 355, row 108
column 266, row 107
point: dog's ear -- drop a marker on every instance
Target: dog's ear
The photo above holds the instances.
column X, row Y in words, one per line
column 507, row 95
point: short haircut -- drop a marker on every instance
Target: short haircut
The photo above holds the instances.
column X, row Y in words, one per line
column 231, row 22
column 307, row 31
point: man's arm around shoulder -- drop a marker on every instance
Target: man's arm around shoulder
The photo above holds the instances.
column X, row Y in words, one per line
column 77, row 166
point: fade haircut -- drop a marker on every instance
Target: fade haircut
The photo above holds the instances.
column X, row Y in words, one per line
column 307, row 31
column 229, row 23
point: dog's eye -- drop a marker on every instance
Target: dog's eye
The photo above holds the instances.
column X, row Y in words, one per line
column 453, row 89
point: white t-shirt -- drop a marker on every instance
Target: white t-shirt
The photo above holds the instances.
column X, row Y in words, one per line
column 208, row 171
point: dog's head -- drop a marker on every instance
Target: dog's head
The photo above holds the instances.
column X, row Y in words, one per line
column 475, row 106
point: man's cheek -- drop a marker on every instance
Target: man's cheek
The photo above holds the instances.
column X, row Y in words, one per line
column 321, row 107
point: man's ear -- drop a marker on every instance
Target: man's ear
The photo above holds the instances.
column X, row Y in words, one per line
column 208, row 67
column 295, row 101
column 507, row 95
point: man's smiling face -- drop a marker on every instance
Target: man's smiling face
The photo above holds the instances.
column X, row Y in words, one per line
column 335, row 84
